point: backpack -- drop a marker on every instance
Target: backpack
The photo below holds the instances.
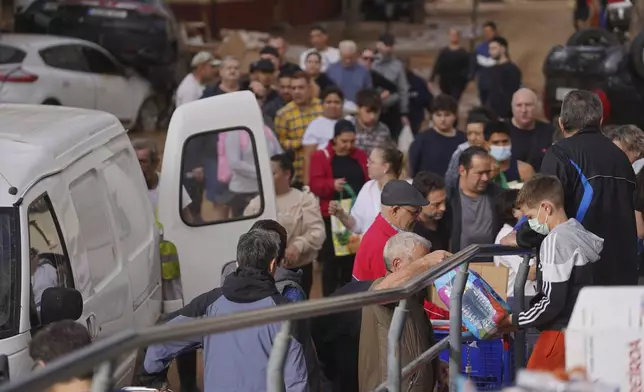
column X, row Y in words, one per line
column 224, row 173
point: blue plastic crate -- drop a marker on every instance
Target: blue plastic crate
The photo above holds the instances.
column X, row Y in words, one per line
column 491, row 364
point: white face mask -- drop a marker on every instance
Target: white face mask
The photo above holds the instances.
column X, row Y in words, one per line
column 501, row 153
column 541, row 228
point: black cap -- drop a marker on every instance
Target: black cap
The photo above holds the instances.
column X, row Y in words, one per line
column 262, row 65
column 402, row 193
column 343, row 126
column 269, row 50
column 387, row 39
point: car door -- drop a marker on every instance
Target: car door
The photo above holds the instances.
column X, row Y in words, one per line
column 114, row 94
column 206, row 237
column 67, row 78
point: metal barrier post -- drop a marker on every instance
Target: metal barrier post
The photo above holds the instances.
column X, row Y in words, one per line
column 519, row 301
column 102, row 380
column 456, row 322
column 393, row 347
column 275, row 369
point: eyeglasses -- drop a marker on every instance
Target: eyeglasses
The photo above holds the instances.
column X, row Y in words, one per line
column 415, row 212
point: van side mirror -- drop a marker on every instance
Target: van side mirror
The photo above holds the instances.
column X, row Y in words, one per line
column 4, row 368
column 60, row 303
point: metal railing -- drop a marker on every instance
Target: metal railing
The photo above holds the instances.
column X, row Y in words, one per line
column 110, row 348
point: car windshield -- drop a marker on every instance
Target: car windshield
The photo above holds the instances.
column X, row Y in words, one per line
column 9, row 267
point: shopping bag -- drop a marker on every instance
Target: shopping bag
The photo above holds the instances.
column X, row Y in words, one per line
column 342, row 237
column 483, row 308
column 405, row 139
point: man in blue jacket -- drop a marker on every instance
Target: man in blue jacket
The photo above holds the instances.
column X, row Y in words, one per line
column 237, row 360
column 482, row 61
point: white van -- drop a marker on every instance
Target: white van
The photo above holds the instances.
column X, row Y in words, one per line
column 74, row 218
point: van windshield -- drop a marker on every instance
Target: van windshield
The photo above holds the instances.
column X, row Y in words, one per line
column 9, row 271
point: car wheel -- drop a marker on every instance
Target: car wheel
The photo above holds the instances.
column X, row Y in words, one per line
column 148, row 118
column 637, row 54
column 593, row 37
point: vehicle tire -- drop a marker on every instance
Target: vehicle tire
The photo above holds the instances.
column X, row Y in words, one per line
column 51, row 101
column 637, row 54
column 593, row 37
column 147, row 120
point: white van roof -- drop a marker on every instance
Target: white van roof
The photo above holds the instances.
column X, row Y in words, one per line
column 36, row 140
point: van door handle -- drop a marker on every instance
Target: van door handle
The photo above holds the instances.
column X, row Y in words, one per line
column 91, row 325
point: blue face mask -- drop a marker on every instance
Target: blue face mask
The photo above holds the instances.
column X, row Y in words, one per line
column 541, row 228
column 501, row 153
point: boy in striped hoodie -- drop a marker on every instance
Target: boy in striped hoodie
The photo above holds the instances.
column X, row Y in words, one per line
column 566, row 260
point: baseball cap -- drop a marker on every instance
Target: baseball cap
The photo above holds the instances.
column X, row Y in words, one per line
column 387, row 39
column 402, row 193
column 204, row 57
column 262, row 65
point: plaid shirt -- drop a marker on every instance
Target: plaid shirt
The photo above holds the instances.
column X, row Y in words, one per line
column 370, row 138
column 290, row 123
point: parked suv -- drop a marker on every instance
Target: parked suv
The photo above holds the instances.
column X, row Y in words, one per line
column 140, row 33
column 613, row 70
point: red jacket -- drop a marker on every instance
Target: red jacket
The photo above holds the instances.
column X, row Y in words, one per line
column 321, row 174
column 370, row 263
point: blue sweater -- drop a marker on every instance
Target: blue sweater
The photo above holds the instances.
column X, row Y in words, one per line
column 432, row 151
column 349, row 79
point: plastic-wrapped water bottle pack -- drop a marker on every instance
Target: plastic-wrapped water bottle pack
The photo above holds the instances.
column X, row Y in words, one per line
column 531, row 381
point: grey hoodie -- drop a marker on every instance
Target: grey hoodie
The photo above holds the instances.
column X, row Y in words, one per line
column 567, row 258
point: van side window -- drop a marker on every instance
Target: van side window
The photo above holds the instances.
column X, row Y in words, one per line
column 221, row 180
column 127, row 203
column 49, row 261
column 96, row 242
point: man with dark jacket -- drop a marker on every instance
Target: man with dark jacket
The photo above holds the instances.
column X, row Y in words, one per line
column 237, row 360
column 471, row 206
column 598, row 182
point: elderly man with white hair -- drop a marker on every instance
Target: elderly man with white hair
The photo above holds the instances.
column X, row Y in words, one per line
column 530, row 137
column 347, row 74
column 400, row 252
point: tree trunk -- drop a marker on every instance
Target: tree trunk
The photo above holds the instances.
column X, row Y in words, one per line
column 351, row 16
column 637, row 21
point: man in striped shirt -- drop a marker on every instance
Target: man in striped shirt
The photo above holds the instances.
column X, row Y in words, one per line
column 566, row 261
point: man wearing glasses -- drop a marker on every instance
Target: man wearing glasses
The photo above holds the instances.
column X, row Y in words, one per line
column 401, row 205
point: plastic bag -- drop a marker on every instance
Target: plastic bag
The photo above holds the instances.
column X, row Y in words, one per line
column 405, row 139
column 483, row 309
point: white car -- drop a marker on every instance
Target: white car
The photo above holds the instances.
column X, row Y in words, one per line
column 51, row 70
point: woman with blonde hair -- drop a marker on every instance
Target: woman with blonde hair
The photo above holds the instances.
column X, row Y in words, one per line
column 385, row 163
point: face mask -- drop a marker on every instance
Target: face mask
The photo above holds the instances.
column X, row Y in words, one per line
column 541, row 228
column 501, row 153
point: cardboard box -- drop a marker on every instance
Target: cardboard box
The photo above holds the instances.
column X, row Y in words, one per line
column 496, row 277
column 605, row 336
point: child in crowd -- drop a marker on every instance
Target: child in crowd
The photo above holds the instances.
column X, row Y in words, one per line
column 370, row 132
column 566, row 258
column 431, row 151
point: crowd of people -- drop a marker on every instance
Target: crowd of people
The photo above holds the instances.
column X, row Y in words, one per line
column 348, row 198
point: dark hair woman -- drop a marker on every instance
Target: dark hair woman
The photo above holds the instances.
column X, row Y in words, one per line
column 333, row 169
column 299, row 213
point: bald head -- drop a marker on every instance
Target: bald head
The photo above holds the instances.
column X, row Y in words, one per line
column 524, row 107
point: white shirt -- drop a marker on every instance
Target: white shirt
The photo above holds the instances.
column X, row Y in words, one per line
column 637, row 165
column 45, row 276
column 319, row 132
column 367, row 206
column 329, row 55
column 153, row 195
column 189, row 90
column 513, row 263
